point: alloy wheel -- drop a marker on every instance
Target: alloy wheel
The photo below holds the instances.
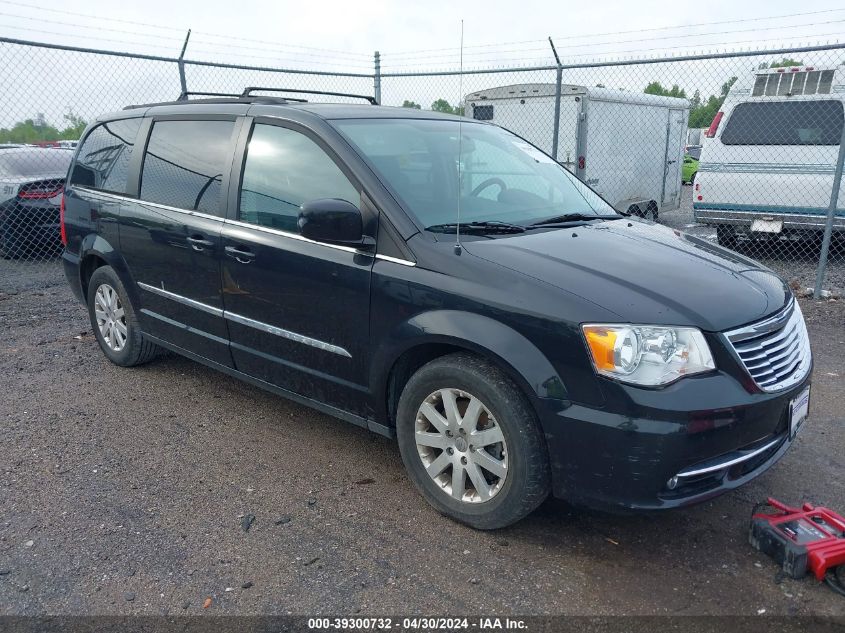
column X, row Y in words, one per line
column 461, row 445
column 111, row 318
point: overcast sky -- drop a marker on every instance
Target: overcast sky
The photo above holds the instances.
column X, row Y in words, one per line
column 347, row 32
column 341, row 35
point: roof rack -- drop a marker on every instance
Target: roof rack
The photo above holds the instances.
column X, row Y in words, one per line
column 248, row 93
column 247, row 97
column 184, row 96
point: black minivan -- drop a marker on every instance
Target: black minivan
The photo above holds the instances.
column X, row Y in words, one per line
column 442, row 281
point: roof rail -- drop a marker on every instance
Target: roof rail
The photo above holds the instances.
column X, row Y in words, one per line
column 247, row 93
column 184, row 96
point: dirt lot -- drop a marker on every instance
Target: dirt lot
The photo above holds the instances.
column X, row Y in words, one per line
column 123, row 491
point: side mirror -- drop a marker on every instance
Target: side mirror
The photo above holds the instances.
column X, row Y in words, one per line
column 332, row 220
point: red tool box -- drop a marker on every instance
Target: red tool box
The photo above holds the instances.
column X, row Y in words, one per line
column 801, row 540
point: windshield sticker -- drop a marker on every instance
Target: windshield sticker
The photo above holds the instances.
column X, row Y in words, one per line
column 533, row 152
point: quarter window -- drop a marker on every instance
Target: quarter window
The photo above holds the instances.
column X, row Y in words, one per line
column 283, row 170
column 104, row 156
column 185, row 163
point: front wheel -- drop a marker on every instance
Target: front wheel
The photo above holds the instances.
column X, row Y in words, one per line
column 471, row 443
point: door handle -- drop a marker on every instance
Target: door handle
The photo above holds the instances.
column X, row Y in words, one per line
column 240, row 254
column 198, row 242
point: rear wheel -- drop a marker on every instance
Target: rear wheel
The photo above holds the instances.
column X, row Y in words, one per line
column 114, row 322
column 471, row 443
column 726, row 236
column 11, row 246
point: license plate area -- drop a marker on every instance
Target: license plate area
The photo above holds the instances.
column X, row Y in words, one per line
column 799, row 407
column 767, row 226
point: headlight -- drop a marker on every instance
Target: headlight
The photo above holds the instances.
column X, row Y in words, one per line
column 647, row 354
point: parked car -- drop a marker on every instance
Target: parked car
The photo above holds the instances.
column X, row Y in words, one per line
column 31, row 184
column 689, row 168
column 768, row 166
column 514, row 333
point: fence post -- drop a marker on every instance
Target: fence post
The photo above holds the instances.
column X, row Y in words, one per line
column 831, row 212
column 558, row 81
column 181, row 62
column 377, row 77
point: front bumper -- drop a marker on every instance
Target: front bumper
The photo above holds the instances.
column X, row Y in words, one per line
column 709, row 428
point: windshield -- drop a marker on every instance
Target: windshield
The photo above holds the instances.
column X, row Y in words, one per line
column 502, row 177
column 26, row 162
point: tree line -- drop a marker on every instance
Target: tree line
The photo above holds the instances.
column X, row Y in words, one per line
column 702, row 111
column 37, row 130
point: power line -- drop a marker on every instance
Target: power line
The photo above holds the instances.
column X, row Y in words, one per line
column 649, row 30
column 88, row 15
column 86, row 26
column 310, row 48
column 358, row 60
column 170, row 28
column 631, row 41
column 597, row 55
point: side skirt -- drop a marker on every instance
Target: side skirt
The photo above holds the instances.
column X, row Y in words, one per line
column 371, row 425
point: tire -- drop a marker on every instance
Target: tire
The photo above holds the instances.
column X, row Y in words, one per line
column 726, row 236
column 128, row 348
column 10, row 247
column 651, row 211
column 496, row 500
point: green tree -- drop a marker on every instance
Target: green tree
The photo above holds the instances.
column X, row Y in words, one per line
column 656, row 88
column 441, row 105
column 37, row 130
column 75, row 126
column 783, row 63
column 411, row 104
column 726, row 87
column 29, row 131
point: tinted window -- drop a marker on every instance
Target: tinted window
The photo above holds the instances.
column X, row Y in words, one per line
column 785, row 123
column 482, row 113
column 185, row 163
column 283, row 170
column 104, row 156
column 34, row 162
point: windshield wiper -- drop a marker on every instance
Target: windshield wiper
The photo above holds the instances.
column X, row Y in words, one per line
column 488, row 226
column 572, row 217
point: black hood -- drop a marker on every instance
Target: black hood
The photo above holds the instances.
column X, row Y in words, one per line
column 643, row 272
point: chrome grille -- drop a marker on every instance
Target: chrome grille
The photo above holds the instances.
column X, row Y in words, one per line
column 775, row 351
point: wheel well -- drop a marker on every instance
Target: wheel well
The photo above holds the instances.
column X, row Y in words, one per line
column 411, row 360
column 89, row 264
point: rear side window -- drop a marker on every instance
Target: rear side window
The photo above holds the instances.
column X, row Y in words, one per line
column 103, row 159
column 283, row 170
column 785, row 123
column 185, row 163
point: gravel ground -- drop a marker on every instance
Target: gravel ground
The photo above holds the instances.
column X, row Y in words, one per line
column 796, row 262
column 125, row 491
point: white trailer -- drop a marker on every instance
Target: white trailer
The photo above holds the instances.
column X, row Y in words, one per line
column 627, row 146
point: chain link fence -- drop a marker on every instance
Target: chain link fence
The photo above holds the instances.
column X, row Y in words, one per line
column 742, row 149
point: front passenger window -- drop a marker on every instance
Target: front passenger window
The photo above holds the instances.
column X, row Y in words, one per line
column 283, row 170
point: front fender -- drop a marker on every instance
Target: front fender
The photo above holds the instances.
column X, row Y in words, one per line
column 506, row 347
